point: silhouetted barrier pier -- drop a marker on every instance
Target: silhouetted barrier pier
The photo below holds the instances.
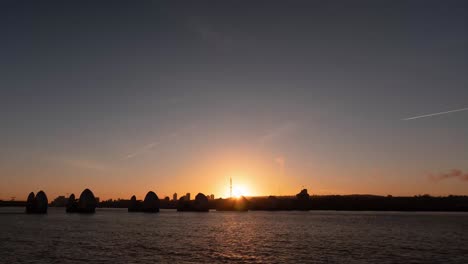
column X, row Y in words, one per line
column 200, row 204
column 149, row 205
column 35, row 204
column 86, row 204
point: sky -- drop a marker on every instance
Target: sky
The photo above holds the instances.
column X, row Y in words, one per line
column 124, row 97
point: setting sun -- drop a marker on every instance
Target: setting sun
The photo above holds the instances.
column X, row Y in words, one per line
column 239, row 191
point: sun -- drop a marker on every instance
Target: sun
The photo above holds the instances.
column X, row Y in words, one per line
column 239, row 191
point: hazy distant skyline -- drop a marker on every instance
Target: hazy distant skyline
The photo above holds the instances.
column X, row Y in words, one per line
column 177, row 96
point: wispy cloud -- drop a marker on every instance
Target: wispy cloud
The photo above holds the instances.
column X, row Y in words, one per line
column 277, row 132
column 148, row 146
column 435, row 114
column 142, row 150
column 453, row 174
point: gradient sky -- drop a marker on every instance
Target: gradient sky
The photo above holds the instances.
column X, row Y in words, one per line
column 176, row 96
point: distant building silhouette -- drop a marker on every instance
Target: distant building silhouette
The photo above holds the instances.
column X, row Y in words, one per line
column 187, row 196
column 302, row 202
column 174, row 197
column 303, row 195
column 60, row 201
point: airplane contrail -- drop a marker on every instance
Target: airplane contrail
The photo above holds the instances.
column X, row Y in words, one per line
column 435, row 114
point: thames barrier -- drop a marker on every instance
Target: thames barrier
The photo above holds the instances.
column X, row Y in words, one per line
column 88, row 202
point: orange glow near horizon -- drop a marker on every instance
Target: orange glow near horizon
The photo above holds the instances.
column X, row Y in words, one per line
column 254, row 172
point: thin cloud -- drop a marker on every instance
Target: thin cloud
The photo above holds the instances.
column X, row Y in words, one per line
column 435, row 114
column 278, row 132
column 148, row 147
column 453, row 174
column 142, row 150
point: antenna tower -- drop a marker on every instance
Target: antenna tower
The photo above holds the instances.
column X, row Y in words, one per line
column 230, row 187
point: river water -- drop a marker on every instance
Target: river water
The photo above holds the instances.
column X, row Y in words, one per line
column 115, row 236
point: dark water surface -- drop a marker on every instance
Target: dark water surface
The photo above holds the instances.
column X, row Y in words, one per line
column 115, row 236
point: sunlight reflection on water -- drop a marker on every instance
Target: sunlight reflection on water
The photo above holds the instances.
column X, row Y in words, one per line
column 113, row 235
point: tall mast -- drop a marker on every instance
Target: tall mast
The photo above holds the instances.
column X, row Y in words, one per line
column 230, row 187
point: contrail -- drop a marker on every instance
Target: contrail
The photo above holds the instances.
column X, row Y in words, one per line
column 435, row 114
